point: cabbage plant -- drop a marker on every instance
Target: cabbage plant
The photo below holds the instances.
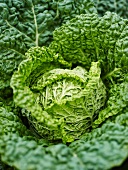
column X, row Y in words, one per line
column 74, row 94
column 63, row 103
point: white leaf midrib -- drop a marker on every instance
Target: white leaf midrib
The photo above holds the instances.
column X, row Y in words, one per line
column 36, row 26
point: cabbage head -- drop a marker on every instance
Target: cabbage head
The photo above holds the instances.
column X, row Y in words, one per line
column 61, row 102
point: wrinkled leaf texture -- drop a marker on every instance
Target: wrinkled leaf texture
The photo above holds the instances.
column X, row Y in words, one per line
column 111, row 136
column 118, row 6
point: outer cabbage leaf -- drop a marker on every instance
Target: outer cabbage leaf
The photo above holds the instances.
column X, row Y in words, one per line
column 103, row 148
column 118, row 6
column 60, row 103
column 88, row 38
column 117, row 102
column 122, row 119
column 28, row 23
column 10, row 123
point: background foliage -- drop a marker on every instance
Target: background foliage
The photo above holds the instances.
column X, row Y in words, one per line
column 26, row 24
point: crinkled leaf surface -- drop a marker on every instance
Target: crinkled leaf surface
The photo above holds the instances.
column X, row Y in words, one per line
column 118, row 100
column 88, row 38
column 10, row 123
column 118, row 6
column 103, row 39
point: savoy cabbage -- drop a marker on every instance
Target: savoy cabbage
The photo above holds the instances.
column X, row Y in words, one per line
column 76, row 84
column 70, row 96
